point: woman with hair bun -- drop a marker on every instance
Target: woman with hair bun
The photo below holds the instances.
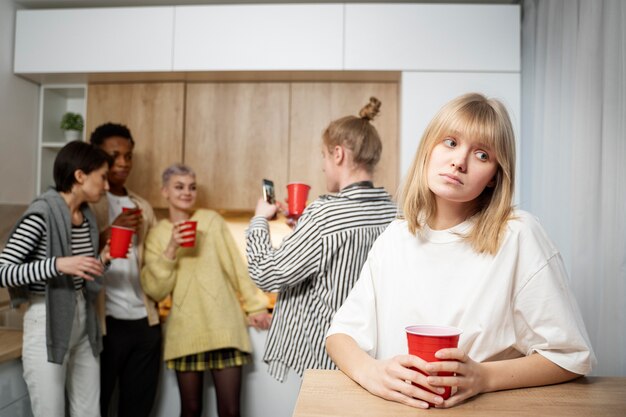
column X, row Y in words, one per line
column 315, row 268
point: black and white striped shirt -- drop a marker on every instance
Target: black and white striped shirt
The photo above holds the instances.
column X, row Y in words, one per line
column 23, row 261
column 313, row 270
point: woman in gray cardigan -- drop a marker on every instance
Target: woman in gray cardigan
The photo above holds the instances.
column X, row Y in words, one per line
column 51, row 260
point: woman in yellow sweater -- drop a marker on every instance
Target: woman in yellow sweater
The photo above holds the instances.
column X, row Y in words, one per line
column 211, row 296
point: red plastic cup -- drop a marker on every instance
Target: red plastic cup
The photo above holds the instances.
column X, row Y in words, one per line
column 190, row 225
column 120, row 241
column 425, row 340
column 297, row 194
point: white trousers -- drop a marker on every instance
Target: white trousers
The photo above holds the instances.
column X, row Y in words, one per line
column 47, row 382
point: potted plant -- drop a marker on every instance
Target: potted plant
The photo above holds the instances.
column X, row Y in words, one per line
column 72, row 124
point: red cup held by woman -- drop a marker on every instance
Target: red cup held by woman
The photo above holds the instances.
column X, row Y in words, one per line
column 120, row 241
column 297, row 194
column 190, row 225
column 425, row 340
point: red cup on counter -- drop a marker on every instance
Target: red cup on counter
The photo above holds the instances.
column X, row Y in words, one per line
column 190, row 225
column 120, row 241
column 297, row 194
column 425, row 340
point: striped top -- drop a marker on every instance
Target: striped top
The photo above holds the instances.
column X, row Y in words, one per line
column 23, row 261
column 313, row 270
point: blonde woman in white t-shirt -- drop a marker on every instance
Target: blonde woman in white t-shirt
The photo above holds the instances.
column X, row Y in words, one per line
column 463, row 257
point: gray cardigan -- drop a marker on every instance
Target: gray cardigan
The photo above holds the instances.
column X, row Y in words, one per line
column 60, row 292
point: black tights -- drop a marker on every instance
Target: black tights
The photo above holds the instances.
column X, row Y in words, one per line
column 227, row 387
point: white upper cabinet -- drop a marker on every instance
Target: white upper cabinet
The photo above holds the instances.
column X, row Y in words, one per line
column 259, row 37
column 94, row 40
column 414, row 37
column 269, row 37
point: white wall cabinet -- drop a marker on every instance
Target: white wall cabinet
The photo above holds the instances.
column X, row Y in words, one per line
column 94, row 40
column 431, row 37
column 272, row 37
column 258, row 37
column 54, row 101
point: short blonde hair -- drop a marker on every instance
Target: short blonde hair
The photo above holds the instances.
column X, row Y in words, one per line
column 357, row 135
column 488, row 121
column 175, row 169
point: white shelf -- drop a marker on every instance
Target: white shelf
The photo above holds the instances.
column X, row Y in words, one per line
column 54, row 101
column 53, row 145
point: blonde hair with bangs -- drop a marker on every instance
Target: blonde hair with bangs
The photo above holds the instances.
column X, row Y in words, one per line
column 476, row 116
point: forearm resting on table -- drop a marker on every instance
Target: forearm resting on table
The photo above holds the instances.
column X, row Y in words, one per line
column 528, row 371
column 347, row 355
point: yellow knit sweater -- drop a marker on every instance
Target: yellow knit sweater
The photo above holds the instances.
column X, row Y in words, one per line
column 209, row 284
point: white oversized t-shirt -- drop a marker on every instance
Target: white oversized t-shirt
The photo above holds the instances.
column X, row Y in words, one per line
column 508, row 305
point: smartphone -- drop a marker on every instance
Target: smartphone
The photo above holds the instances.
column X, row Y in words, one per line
column 268, row 191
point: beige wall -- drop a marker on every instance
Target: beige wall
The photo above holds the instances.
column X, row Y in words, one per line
column 18, row 120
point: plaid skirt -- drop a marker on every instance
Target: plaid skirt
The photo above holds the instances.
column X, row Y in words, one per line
column 213, row 359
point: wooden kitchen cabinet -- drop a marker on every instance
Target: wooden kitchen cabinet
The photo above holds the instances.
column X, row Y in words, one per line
column 235, row 135
column 315, row 105
column 154, row 114
column 238, row 133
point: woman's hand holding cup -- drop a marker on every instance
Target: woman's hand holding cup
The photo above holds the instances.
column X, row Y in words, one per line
column 284, row 209
column 129, row 218
column 468, row 377
column 388, row 379
column 183, row 234
column 86, row 267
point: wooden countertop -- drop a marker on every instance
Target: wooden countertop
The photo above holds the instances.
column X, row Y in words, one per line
column 332, row 393
column 10, row 339
column 238, row 223
column 9, row 215
column 10, row 344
